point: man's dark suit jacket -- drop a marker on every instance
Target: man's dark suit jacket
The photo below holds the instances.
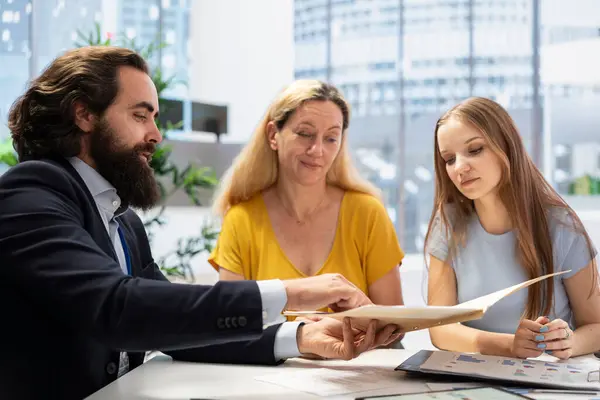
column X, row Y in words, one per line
column 68, row 309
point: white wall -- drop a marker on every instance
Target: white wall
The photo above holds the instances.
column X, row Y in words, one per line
column 582, row 13
column 242, row 55
column 571, row 63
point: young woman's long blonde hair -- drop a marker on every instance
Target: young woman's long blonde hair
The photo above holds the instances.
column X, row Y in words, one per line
column 256, row 168
column 523, row 190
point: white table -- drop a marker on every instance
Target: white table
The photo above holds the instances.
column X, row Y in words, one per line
column 162, row 378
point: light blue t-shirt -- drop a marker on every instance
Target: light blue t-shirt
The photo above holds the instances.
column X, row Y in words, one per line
column 488, row 263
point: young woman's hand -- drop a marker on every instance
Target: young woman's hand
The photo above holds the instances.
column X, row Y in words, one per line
column 529, row 338
column 558, row 339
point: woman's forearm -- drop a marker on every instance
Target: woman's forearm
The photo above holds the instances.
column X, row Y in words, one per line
column 586, row 339
column 458, row 337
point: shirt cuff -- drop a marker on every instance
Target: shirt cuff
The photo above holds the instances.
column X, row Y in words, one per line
column 286, row 342
column 274, row 299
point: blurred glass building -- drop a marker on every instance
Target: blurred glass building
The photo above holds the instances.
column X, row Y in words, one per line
column 432, row 54
column 145, row 22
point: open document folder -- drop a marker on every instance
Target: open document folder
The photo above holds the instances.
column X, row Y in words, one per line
column 422, row 317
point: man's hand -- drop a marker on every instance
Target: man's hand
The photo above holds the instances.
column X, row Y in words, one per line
column 327, row 290
column 330, row 338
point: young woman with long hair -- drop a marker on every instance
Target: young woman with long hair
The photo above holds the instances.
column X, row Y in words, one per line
column 497, row 222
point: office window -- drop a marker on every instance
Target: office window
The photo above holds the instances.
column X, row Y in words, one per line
column 26, row 47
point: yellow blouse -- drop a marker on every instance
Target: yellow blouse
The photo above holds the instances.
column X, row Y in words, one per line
column 365, row 247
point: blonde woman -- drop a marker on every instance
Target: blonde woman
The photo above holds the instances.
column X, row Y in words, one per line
column 294, row 206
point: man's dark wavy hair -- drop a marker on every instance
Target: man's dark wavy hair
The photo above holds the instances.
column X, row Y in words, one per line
column 42, row 121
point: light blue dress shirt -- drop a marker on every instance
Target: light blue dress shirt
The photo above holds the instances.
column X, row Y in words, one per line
column 272, row 292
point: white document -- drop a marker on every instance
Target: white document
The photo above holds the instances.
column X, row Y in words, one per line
column 415, row 318
column 568, row 374
column 331, row 382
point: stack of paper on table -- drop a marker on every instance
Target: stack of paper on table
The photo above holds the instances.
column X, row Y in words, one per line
column 570, row 374
column 416, row 318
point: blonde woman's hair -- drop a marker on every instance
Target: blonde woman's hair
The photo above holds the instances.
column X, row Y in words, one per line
column 256, row 167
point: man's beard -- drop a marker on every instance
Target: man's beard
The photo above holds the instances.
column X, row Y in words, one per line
column 124, row 168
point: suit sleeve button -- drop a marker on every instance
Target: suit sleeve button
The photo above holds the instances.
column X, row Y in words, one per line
column 111, row 368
